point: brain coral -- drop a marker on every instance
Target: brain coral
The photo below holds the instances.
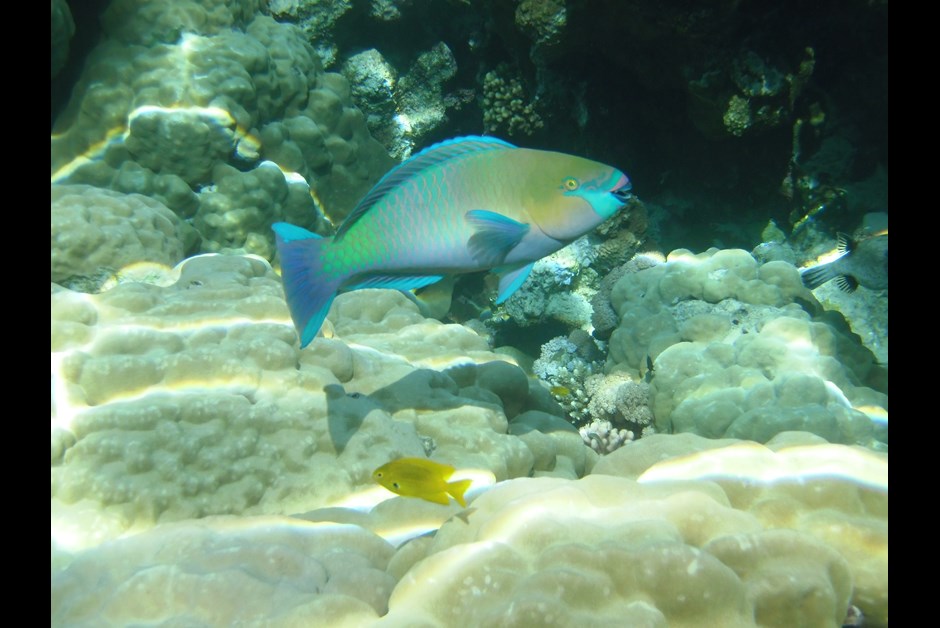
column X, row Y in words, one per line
column 171, row 111
column 97, row 232
column 736, row 535
column 737, row 355
column 270, row 570
column 194, row 399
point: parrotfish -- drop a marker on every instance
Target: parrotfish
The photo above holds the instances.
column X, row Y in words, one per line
column 463, row 205
column 420, row 477
column 860, row 263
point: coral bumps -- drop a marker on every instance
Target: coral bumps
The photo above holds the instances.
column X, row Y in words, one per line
column 215, row 111
column 740, row 352
column 186, row 420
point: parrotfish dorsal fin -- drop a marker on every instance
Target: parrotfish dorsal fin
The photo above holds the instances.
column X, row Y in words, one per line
column 430, row 156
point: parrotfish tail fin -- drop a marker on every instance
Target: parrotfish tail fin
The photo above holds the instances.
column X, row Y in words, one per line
column 817, row 275
column 457, row 489
column 308, row 290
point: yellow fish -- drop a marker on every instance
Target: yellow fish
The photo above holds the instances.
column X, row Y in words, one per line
column 560, row 391
column 420, row 477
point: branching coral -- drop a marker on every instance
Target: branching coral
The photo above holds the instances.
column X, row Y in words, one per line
column 505, row 106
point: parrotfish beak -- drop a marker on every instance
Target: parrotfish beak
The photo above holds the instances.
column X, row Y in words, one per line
column 622, row 189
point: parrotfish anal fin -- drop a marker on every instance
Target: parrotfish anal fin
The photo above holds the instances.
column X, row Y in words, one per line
column 495, row 236
column 309, row 292
column 392, row 282
column 430, row 156
column 510, row 280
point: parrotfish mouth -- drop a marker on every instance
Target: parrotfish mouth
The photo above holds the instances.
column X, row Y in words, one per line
column 622, row 189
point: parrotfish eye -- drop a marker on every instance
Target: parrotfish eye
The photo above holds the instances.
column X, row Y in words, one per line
column 571, row 184
column 378, row 474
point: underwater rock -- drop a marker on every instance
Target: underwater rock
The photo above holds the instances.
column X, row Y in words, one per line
column 402, row 107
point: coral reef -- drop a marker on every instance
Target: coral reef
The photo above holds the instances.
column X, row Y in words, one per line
column 193, row 399
column 96, row 233
column 742, row 533
column 736, row 354
column 559, row 289
column 250, row 90
column 701, row 440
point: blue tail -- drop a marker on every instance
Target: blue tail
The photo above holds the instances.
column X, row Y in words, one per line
column 309, row 291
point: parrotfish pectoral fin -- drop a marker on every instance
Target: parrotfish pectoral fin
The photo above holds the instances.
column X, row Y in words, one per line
column 308, row 290
column 511, row 279
column 495, row 235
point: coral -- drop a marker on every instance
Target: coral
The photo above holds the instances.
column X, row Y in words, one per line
column 148, row 23
column 756, row 543
column 543, row 21
column 557, row 446
column 736, row 354
column 603, row 316
column 96, row 233
column 263, row 569
column 559, row 288
column 566, row 363
column 505, row 107
column 737, row 116
column 194, row 399
column 620, row 400
column 611, row 410
column 172, row 119
column 608, row 410
column 601, row 436
column 836, row 494
column 235, row 214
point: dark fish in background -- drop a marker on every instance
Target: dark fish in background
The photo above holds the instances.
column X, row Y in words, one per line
column 862, row 263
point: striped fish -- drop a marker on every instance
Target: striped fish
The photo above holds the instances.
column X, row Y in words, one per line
column 463, row 205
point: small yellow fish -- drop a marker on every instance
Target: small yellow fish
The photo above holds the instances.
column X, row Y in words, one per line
column 560, row 391
column 420, row 477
